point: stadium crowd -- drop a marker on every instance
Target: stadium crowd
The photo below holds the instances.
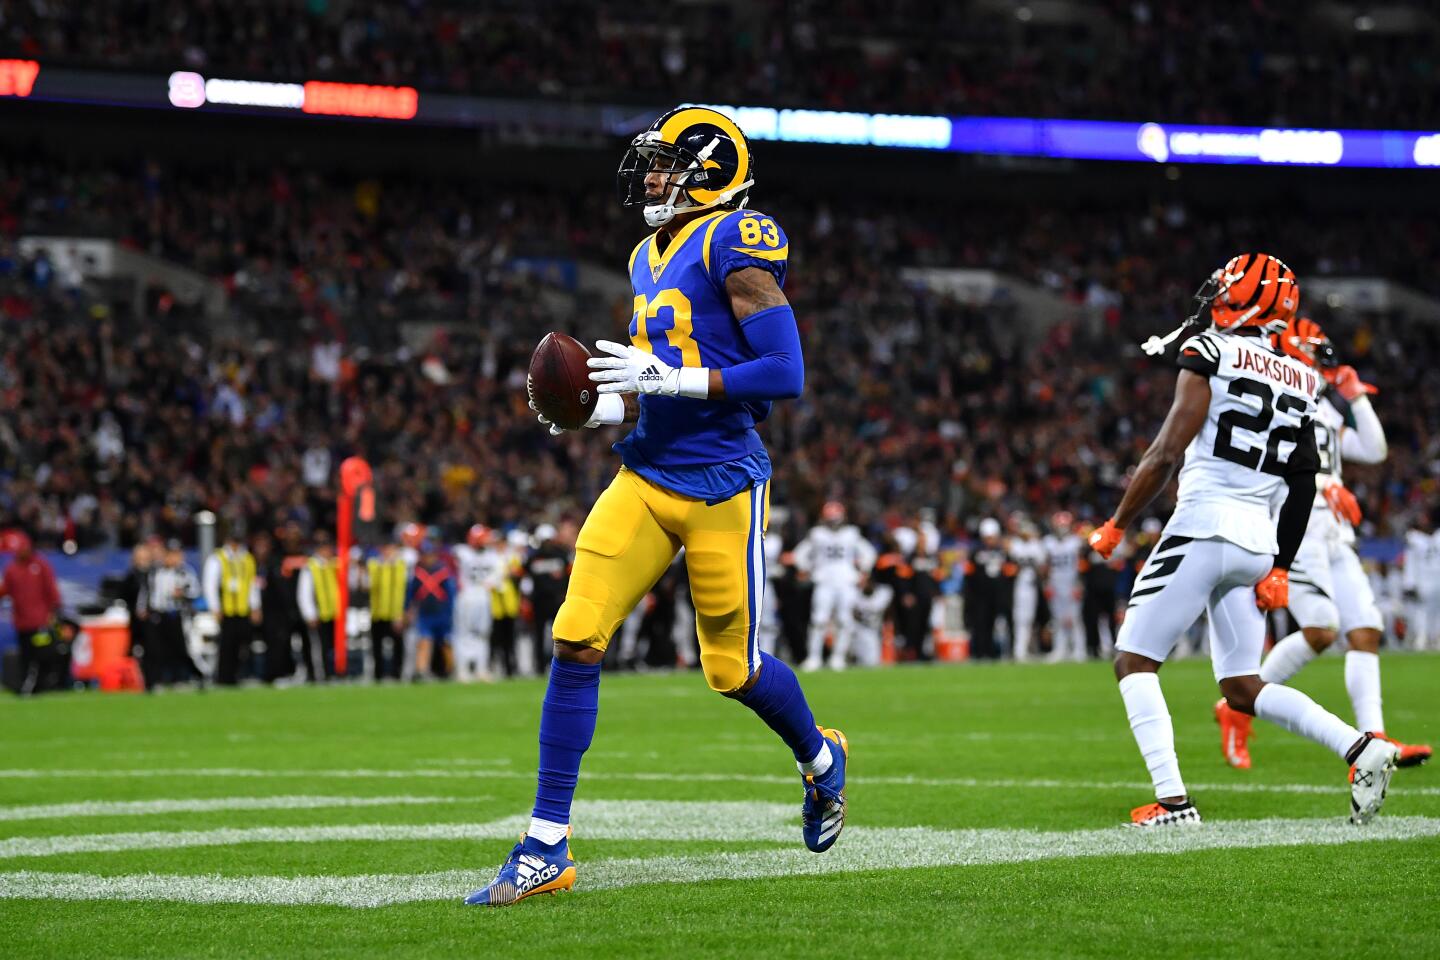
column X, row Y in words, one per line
column 120, row 421
column 1106, row 59
column 121, row 428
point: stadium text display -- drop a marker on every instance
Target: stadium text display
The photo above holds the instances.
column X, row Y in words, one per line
column 990, row 136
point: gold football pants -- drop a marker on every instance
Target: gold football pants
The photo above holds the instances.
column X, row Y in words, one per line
column 630, row 538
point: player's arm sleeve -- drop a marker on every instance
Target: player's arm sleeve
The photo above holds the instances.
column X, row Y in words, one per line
column 1365, row 442
column 778, row 371
column 753, row 245
column 1295, row 511
column 1200, row 354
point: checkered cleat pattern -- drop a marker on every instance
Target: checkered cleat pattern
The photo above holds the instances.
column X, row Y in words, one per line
column 822, row 816
column 531, row 868
column 1159, row 814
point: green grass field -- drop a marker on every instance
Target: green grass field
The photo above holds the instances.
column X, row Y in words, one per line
column 984, row 811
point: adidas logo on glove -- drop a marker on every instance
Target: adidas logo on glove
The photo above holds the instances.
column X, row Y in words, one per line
column 651, row 373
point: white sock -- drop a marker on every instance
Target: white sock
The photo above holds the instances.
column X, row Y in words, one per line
column 1286, row 658
column 1291, row 709
column 1362, row 682
column 820, row 764
column 1154, row 731
column 547, row 832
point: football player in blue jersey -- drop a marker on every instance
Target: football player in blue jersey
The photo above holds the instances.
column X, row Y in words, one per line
column 713, row 343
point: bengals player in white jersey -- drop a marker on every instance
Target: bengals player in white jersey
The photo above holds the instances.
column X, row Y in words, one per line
column 1330, row 594
column 1241, row 422
column 835, row 556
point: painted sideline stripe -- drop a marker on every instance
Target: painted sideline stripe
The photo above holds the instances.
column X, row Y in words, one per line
column 130, row 808
column 860, row 849
column 1338, row 786
column 597, row 819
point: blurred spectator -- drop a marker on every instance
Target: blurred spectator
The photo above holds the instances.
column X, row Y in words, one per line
column 388, row 583
column 430, row 605
column 232, row 594
column 34, row 595
column 548, row 569
column 988, row 590
column 318, row 597
column 171, row 596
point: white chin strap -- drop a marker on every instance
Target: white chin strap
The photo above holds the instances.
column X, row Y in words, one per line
column 659, row 214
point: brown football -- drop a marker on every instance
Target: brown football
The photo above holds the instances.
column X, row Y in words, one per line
column 559, row 381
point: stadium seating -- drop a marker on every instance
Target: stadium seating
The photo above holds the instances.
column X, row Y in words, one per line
column 1203, row 60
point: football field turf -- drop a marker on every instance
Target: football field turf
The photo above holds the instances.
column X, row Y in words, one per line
column 984, row 812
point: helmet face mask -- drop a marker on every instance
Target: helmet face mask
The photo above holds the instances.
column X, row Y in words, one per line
column 704, row 155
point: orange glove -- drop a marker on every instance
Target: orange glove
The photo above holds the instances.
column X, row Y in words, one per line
column 1348, row 382
column 1273, row 592
column 1343, row 504
column 1106, row 538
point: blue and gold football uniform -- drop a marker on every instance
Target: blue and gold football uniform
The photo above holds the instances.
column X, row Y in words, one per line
column 695, row 474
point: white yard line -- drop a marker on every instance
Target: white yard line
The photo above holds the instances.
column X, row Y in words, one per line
column 861, row 849
column 130, row 808
column 1338, row 786
column 597, row 819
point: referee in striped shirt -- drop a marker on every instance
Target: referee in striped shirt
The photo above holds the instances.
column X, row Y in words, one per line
column 169, row 596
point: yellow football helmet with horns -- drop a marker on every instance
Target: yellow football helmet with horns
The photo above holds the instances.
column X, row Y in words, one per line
column 705, row 155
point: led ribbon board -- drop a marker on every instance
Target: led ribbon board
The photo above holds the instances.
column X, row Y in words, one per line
column 31, row 81
column 1095, row 140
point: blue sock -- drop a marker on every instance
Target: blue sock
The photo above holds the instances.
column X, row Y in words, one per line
column 780, row 702
column 567, row 725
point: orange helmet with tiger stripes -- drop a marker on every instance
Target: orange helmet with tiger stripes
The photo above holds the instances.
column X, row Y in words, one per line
column 1252, row 290
column 1303, row 339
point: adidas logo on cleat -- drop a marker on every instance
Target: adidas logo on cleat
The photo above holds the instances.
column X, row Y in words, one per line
column 531, row 872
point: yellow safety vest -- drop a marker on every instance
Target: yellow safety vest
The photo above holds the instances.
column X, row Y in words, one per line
column 237, row 578
column 505, row 599
column 326, row 584
column 387, row 589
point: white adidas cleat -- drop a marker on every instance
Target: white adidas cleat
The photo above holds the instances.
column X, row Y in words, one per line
column 1370, row 777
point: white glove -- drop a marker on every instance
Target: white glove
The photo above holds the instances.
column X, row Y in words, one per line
column 629, row 369
column 608, row 411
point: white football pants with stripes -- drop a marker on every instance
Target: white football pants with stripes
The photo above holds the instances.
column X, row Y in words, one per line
column 1067, row 633
column 472, row 633
column 1184, row 578
column 831, row 602
column 1027, row 600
